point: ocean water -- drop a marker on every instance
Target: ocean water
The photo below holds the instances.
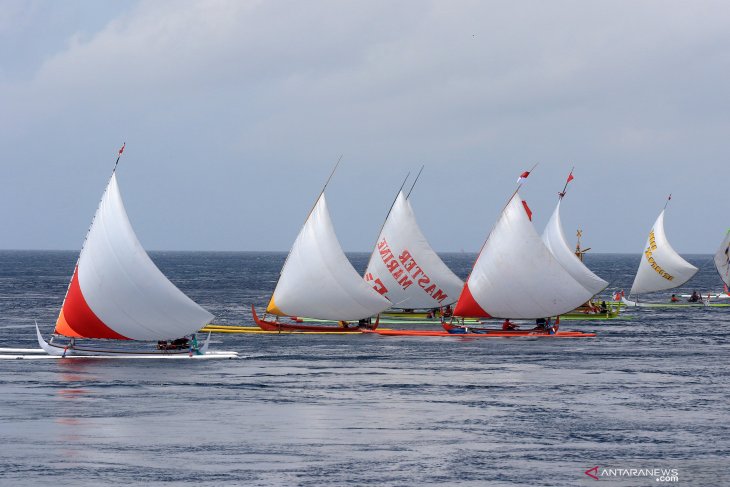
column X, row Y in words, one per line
column 651, row 391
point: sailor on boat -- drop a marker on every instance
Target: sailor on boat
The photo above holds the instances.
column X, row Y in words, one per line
column 545, row 325
column 695, row 298
column 447, row 311
column 509, row 326
column 674, row 298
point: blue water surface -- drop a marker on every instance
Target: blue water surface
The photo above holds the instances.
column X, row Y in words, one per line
column 652, row 390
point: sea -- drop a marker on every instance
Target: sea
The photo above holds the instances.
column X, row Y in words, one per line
column 646, row 402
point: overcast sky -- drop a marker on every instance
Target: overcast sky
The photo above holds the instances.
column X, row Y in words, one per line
column 234, row 113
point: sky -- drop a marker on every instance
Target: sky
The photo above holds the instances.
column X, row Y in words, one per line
column 235, row 112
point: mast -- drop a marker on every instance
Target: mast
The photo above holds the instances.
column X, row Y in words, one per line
column 414, row 182
column 387, row 215
column 522, row 177
column 565, row 188
column 86, row 237
column 337, row 164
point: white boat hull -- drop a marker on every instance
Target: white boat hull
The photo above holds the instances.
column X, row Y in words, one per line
column 44, row 356
column 59, row 351
column 635, row 304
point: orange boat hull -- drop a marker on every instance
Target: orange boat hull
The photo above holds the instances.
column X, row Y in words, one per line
column 484, row 334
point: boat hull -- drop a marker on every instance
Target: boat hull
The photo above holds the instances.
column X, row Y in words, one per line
column 68, row 351
column 482, row 334
column 277, row 326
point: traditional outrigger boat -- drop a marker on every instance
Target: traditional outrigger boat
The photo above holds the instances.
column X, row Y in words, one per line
column 515, row 276
column 660, row 268
column 117, row 294
column 572, row 260
column 722, row 262
column 404, row 268
column 318, row 281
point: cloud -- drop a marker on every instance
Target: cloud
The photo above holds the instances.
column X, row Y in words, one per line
column 273, row 92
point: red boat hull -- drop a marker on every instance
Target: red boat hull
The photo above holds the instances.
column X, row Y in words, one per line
column 278, row 326
column 484, row 334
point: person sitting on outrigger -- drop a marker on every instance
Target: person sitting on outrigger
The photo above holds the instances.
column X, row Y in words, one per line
column 695, row 298
column 674, row 298
column 545, row 324
column 343, row 324
column 179, row 344
column 604, row 307
column 542, row 324
column 508, row 325
column 447, row 312
column 364, row 323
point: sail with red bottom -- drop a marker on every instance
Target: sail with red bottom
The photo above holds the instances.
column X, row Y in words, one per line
column 117, row 292
column 516, row 276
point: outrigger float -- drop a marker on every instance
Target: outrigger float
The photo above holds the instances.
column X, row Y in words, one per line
column 118, row 295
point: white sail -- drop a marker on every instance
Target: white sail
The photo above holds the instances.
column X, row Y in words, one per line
column 554, row 239
column 722, row 260
column 661, row 267
column 318, row 281
column 405, row 269
column 516, row 275
column 120, row 288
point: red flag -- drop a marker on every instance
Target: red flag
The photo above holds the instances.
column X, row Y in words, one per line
column 523, row 176
column 122, row 149
column 527, row 210
column 570, row 177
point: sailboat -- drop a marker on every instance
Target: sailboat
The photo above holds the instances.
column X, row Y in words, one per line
column 554, row 239
column 661, row 267
column 117, row 294
column 405, row 269
column 515, row 276
column 722, row 261
column 318, row 281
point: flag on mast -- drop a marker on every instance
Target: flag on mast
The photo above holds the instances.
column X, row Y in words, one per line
column 523, row 176
column 570, row 177
column 122, row 149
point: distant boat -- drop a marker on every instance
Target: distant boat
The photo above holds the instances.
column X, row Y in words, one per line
column 722, row 261
column 661, row 267
column 516, row 276
column 405, row 269
column 117, row 294
column 318, row 281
